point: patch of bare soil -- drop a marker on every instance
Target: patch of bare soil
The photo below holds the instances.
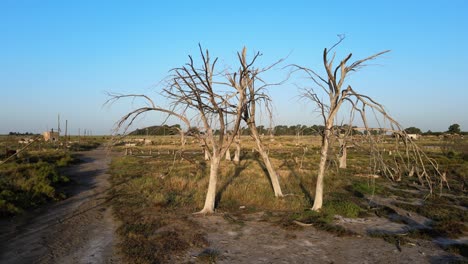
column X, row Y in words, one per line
column 79, row 229
column 253, row 240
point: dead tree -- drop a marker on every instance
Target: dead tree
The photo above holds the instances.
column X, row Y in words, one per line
column 245, row 81
column 192, row 89
column 195, row 89
column 333, row 87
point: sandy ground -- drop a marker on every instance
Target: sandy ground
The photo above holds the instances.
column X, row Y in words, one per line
column 79, row 229
column 256, row 241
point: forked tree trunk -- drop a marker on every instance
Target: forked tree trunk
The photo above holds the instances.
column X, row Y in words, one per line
column 211, row 194
column 266, row 160
column 318, row 201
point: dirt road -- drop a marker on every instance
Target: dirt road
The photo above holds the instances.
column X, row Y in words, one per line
column 79, row 229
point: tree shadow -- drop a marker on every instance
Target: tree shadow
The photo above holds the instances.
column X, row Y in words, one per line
column 304, row 190
column 239, row 168
column 264, row 169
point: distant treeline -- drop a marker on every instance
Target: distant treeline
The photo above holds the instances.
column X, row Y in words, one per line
column 22, row 134
column 430, row 133
column 280, row 130
column 164, row 130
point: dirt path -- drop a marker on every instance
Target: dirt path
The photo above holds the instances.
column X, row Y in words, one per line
column 79, row 229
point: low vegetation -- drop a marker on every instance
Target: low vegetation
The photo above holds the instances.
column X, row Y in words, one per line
column 154, row 196
column 33, row 177
column 31, row 181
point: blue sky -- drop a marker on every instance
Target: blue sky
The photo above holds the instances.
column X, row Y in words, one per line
column 59, row 57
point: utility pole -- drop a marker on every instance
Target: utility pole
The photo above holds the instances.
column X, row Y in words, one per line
column 66, row 132
column 58, row 127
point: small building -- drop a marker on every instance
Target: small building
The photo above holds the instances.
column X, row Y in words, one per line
column 51, row 136
column 413, row 136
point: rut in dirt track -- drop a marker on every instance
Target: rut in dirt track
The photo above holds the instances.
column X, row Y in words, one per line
column 79, row 229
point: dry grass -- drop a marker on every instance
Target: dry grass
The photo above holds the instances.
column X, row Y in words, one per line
column 155, row 194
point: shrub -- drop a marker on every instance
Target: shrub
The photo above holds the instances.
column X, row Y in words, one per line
column 342, row 207
column 25, row 185
column 365, row 188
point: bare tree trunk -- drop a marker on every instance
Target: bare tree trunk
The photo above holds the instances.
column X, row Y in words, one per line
column 343, row 153
column 343, row 158
column 228, row 154
column 207, row 156
column 238, row 149
column 182, row 137
column 211, row 193
column 318, row 201
column 266, row 160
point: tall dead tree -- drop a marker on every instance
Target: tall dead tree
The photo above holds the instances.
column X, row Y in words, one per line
column 333, row 87
column 192, row 89
column 245, row 81
column 199, row 91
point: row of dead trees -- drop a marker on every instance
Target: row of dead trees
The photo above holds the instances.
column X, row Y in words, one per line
column 201, row 95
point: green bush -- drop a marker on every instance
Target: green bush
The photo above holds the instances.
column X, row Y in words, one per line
column 342, row 207
column 25, row 185
column 365, row 188
column 65, row 160
column 83, row 146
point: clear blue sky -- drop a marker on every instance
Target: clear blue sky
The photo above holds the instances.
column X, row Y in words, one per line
column 61, row 56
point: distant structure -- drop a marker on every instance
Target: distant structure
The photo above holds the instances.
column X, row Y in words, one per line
column 413, row 136
column 51, row 136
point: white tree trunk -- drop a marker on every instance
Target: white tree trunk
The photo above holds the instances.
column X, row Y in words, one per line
column 228, row 154
column 343, row 158
column 266, row 160
column 343, row 153
column 183, row 141
column 238, row 149
column 318, row 201
column 211, row 194
column 272, row 173
column 207, row 156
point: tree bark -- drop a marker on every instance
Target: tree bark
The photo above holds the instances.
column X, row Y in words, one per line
column 343, row 154
column 207, row 156
column 211, row 193
column 266, row 160
column 318, row 201
column 183, row 141
column 228, row 154
column 238, row 149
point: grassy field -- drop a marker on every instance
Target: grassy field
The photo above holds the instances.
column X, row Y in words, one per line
column 32, row 177
column 156, row 189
